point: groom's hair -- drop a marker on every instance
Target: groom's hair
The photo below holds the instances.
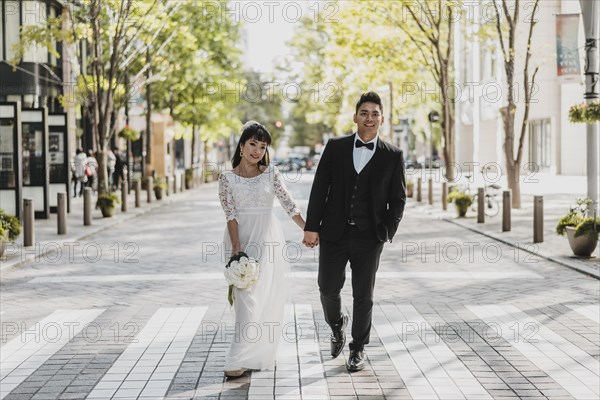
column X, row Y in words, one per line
column 369, row 97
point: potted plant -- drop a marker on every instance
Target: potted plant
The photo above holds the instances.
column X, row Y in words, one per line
column 160, row 185
column 585, row 113
column 10, row 229
column 189, row 178
column 462, row 201
column 581, row 229
column 107, row 202
column 410, row 186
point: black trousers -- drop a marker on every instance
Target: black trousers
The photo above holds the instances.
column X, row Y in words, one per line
column 362, row 249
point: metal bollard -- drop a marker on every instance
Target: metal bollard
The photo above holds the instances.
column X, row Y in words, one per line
column 506, row 211
column 445, row 196
column 419, row 194
column 61, row 213
column 149, row 184
column 87, row 206
column 168, row 180
column 538, row 219
column 480, row 205
column 175, row 189
column 28, row 223
column 124, row 191
column 138, row 193
column 430, row 189
column 182, row 181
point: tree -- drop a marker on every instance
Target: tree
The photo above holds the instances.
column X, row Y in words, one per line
column 314, row 110
column 507, row 24
column 108, row 29
column 430, row 27
column 190, row 77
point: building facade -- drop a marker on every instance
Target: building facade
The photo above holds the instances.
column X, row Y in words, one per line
column 552, row 144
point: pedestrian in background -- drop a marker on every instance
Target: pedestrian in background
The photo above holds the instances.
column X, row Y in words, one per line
column 119, row 169
column 78, row 169
column 111, row 161
column 92, row 170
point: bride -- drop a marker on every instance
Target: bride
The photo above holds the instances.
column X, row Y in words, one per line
column 247, row 193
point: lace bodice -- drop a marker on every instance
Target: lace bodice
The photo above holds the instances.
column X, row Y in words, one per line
column 237, row 193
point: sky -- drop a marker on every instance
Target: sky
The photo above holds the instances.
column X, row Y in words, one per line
column 268, row 25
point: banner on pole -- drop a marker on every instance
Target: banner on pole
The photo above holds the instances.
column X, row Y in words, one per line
column 567, row 53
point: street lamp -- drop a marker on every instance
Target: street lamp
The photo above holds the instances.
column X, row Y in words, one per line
column 591, row 24
column 433, row 116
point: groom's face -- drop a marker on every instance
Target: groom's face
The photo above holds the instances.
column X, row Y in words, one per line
column 368, row 119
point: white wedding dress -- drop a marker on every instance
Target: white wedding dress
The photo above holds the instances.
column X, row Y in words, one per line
column 259, row 310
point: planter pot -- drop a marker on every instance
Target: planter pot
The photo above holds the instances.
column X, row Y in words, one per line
column 159, row 193
column 409, row 191
column 188, row 183
column 2, row 247
column 582, row 246
column 107, row 212
column 461, row 211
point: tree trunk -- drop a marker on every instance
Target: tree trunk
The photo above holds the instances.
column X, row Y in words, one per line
column 513, row 175
column 193, row 144
column 148, row 113
column 205, row 162
column 102, row 170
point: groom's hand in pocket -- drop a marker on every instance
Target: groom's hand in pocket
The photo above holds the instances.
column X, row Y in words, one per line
column 311, row 239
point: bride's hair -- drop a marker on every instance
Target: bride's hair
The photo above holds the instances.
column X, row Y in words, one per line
column 256, row 131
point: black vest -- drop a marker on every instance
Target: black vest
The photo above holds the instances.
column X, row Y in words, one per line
column 358, row 205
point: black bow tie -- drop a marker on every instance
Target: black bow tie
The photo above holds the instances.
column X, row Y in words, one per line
column 358, row 144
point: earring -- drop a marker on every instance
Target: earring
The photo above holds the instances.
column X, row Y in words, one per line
column 241, row 154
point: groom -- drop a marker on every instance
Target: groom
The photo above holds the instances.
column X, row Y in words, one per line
column 356, row 202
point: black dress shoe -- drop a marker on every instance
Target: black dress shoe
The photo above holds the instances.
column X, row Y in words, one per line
column 338, row 337
column 356, row 361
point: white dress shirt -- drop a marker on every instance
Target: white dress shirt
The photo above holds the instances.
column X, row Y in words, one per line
column 362, row 155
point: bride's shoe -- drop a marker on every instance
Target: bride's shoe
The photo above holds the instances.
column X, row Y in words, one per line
column 236, row 373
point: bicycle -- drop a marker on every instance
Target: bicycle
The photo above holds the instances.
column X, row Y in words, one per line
column 491, row 203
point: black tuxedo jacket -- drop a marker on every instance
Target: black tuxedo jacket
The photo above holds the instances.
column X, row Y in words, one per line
column 326, row 212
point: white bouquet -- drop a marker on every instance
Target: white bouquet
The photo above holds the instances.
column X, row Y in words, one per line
column 242, row 272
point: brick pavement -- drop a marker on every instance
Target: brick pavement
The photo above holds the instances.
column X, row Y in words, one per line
column 560, row 193
column 450, row 320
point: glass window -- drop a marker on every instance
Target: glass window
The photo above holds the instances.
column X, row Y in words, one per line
column 540, row 144
column 12, row 13
column 7, row 154
column 52, row 56
column 34, row 13
column 33, row 156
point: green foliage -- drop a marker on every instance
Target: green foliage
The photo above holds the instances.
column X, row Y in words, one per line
column 589, row 227
column 585, row 113
column 159, row 183
column 461, row 199
column 129, row 134
column 575, row 216
column 108, row 200
column 10, row 227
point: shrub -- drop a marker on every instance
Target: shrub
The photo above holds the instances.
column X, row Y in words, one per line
column 108, row 200
column 10, row 226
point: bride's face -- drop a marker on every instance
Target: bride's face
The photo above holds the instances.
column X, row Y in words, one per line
column 253, row 151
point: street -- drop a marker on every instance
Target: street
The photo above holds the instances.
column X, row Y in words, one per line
column 139, row 311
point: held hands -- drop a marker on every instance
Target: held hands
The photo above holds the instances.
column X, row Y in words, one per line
column 311, row 239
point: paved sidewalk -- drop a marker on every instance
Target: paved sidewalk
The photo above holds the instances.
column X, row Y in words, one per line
column 47, row 241
column 560, row 193
column 155, row 324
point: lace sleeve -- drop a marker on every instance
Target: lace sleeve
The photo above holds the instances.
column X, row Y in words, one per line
column 226, row 198
column 283, row 195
